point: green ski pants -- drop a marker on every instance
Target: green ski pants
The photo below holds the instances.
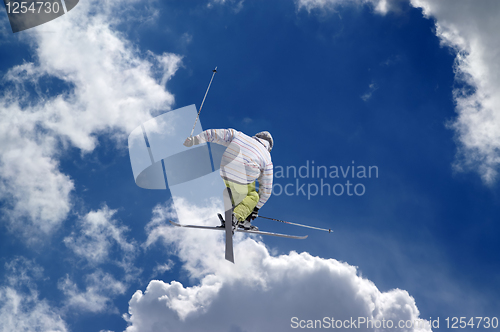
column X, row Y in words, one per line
column 245, row 198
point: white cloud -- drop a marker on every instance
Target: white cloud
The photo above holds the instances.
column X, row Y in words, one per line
column 21, row 309
column 170, row 64
column 371, row 89
column 159, row 230
column 109, row 87
column 237, row 4
column 22, row 271
column 100, row 289
column 100, row 240
column 470, row 28
column 380, row 6
column 97, row 234
column 159, row 269
column 259, row 292
column 26, row 312
column 33, row 189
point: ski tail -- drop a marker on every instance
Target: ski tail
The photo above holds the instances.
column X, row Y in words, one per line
column 228, row 207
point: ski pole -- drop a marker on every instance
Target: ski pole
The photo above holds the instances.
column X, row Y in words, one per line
column 214, row 71
column 292, row 223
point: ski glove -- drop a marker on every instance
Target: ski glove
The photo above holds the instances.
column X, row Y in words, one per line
column 191, row 140
column 254, row 214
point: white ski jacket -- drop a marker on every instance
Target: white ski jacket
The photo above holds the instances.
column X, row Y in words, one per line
column 245, row 160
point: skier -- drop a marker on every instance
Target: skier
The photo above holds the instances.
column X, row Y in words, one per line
column 245, row 160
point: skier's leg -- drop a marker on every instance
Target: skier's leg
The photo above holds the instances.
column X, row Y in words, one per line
column 246, row 206
column 238, row 191
column 245, row 198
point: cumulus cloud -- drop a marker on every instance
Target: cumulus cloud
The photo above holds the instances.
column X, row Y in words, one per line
column 159, row 230
column 470, row 29
column 105, row 85
column 20, row 306
column 260, row 292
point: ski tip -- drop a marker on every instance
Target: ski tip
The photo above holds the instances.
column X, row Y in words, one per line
column 174, row 223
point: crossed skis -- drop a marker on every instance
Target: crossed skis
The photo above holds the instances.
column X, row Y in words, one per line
column 231, row 229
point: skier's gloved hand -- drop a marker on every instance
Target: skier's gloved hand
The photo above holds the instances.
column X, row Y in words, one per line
column 191, row 140
column 254, row 214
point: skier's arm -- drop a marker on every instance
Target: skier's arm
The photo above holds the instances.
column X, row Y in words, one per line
column 218, row 136
column 265, row 185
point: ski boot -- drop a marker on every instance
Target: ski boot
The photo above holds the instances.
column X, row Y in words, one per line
column 223, row 222
column 246, row 225
column 236, row 223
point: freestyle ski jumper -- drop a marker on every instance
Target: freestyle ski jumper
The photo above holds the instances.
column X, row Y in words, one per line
column 246, row 160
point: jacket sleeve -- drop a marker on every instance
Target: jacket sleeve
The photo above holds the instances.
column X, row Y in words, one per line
column 218, row 136
column 265, row 185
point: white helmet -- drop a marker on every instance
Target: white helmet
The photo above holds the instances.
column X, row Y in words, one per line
column 265, row 135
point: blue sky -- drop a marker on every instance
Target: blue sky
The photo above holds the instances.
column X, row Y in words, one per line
column 409, row 87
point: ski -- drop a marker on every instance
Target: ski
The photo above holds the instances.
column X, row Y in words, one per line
column 228, row 207
column 301, row 225
column 299, row 237
column 229, row 228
